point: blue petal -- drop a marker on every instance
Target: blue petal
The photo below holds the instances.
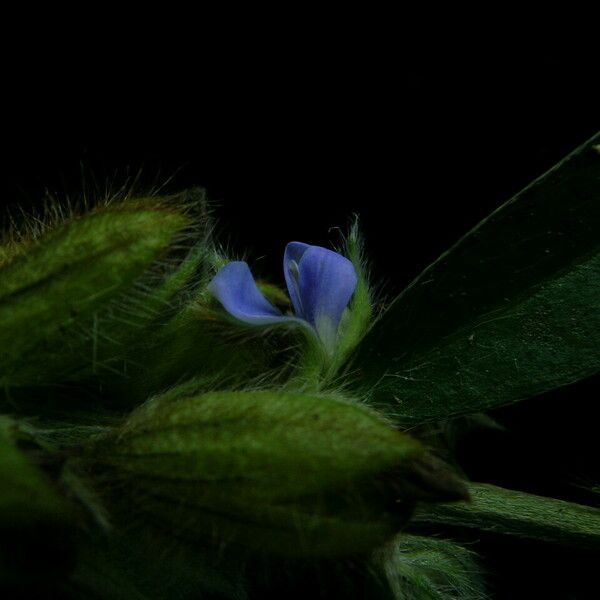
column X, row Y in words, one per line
column 234, row 287
column 291, row 259
column 321, row 283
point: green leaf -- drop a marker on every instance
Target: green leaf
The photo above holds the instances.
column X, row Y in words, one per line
column 427, row 568
column 51, row 292
column 512, row 310
column 521, row 514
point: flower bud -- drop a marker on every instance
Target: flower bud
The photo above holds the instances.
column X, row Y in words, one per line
column 284, row 473
column 53, row 289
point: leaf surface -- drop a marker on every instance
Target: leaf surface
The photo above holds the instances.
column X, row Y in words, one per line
column 512, row 310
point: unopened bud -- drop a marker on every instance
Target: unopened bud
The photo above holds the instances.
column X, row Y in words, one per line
column 283, row 473
column 53, row 289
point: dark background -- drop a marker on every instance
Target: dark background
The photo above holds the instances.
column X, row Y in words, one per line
column 290, row 141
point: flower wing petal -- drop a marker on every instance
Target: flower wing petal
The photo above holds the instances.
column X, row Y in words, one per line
column 234, row 287
column 326, row 283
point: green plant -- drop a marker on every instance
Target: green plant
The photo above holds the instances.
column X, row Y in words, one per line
column 162, row 446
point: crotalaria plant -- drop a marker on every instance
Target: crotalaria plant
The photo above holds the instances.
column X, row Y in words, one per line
column 172, row 428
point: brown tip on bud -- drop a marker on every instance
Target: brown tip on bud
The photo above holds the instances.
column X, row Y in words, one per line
column 429, row 479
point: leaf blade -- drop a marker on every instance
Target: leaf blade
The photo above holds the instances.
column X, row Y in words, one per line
column 529, row 245
column 520, row 514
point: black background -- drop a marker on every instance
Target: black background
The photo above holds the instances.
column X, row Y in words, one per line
column 291, row 138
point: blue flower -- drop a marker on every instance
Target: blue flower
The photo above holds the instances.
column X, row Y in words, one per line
column 320, row 283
